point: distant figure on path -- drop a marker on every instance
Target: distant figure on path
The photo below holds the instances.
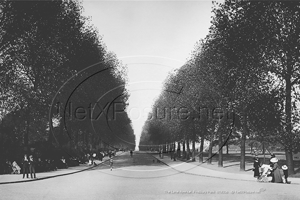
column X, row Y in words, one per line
column 174, row 155
column 94, row 158
column 131, row 153
column 101, row 156
column 111, row 163
column 256, row 166
column 64, row 163
column 161, row 154
column 25, row 166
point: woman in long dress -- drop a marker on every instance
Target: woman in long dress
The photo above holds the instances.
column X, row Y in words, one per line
column 277, row 175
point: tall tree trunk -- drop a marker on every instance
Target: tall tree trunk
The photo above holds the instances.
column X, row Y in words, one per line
column 209, row 159
column 174, row 151
column 61, row 137
column 183, row 150
column 220, row 159
column 86, row 140
column 264, row 152
column 227, row 148
column 243, row 141
column 174, row 147
column 193, row 143
column 202, row 144
column 50, row 136
column 51, row 131
column 201, row 149
column 243, row 151
column 288, row 111
column 194, row 150
column 178, row 148
column 26, row 133
column 188, row 149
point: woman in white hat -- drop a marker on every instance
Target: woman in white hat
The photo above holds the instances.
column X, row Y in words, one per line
column 277, row 175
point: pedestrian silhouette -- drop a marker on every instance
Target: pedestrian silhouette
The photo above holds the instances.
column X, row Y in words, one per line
column 32, row 166
column 131, row 153
column 111, row 163
column 25, row 168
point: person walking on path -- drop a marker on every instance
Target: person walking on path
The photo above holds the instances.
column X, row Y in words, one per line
column 111, row 163
column 256, row 166
column 32, row 166
column 174, row 155
column 25, row 166
column 131, row 153
column 94, row 158
column 178, row 153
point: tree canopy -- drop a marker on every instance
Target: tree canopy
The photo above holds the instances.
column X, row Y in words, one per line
column 51, row 61
column 248, row 65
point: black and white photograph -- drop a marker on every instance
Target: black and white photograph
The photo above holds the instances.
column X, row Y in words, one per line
column 149, row 99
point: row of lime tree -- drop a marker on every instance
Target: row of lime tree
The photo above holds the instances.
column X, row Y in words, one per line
column 240, row 83
column 58, row 81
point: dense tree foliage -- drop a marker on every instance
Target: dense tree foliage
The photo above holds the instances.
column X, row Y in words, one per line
column 248, row 65
column 52, row 61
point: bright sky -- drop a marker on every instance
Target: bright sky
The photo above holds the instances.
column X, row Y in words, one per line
column 152, row 38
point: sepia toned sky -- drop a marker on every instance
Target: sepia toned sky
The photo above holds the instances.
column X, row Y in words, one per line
column 152, row 38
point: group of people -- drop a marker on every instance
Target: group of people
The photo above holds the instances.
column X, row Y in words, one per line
column 33, row 164
column 272, row 172
column 28, row 166
column 11, row 167
column 91, row 157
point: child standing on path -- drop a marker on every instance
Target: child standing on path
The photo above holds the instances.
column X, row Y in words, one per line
column 111, row 162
